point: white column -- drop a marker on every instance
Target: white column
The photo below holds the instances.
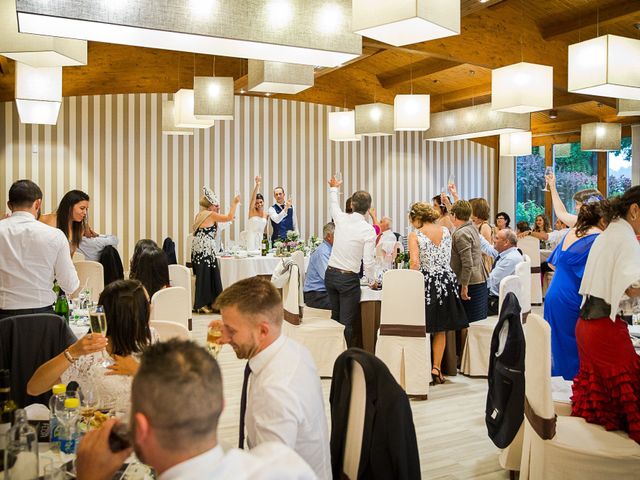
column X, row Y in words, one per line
column 635, row 155
column 507, row 188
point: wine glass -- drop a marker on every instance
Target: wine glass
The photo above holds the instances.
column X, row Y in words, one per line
column 214, row 334
column 338, row 176
column 98, row 324
column 452, row 180
column 547, row 171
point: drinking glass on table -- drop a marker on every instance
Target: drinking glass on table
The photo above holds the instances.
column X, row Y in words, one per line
column 547, row 171
column 214, row 334
column 98, row 324
column 54, row 472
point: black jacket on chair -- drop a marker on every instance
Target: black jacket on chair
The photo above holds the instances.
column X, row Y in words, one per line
column 169, row 248
column 389, row 445
column 505, row 399
column 26, row 342
column 111, row 265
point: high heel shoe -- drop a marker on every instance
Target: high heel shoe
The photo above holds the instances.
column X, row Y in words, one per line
column 437, row 379
column 205, row 309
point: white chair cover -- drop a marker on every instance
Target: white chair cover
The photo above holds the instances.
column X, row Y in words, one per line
column 355, row 423
column 91, row 275
column 78, row 257
column 180, row 276
column 322, row 336
column 579, row 450
column 171, row 304
column 523, row 271
column 530, row 246
column 402, row 314
column 169, row 330
column 477, row 348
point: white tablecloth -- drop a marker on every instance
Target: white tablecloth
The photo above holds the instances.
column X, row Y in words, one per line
column 368, row 295
column 234, row 269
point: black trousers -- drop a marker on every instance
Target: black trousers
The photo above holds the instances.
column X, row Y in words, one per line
column 344, row 293
column 25, row 311
column 317, row 300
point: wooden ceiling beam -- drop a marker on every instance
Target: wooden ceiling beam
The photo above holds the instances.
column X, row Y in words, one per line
column 416, row 70
column 615, row 12
column 563, row 99
column 5, row 67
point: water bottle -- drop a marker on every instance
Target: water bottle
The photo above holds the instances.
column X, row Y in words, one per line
column 69, row 432
column 56, row 406
column 21, row 453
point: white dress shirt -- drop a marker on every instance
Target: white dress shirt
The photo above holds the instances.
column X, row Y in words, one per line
column 354, row 239
column 91, row 247
column 33, row 255
column 269, row 461
column 277, row 217
column 285, row 404
column 556, row 236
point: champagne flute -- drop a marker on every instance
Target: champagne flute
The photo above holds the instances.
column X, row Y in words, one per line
column 338, row 176
column 98, row 324
column 214, row 334
column 547, row 171
column 452, row 180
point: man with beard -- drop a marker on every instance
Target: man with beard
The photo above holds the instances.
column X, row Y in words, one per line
column 281, row 394
column 176, row 403
column 33, row 255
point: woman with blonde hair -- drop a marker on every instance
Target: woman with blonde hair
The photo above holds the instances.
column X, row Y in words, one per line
column 430, row 252
column 203, row 249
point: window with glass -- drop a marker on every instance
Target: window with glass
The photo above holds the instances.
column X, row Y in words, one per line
column 619, row 169
column 575, row 170
column 530, row 183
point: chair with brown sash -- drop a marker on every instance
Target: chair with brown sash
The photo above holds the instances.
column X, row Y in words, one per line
column 530, row 247
column 403, row 343
column 91, row 275
column 565, row 447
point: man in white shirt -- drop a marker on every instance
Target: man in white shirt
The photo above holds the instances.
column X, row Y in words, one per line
column 282, row 215
column 281, row 394
column 33, row 256
column 176, row 401
column 354, row 242
column 91, row 247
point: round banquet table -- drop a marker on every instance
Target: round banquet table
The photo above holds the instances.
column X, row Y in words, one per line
column 233, row 269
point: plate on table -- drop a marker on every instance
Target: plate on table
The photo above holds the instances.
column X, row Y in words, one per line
column 128, row 471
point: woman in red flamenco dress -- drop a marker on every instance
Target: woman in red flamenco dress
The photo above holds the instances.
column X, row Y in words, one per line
column 606, row 390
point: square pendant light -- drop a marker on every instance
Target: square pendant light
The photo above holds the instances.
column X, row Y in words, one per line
column 308, row 32
column 472, row 122
column 601, row 137
column 185, row 118
column 37, row 50
column 277, row 77
column 607, row 66
column 342, row 127
column 522, row 88
column 169, row 120
column 213, row 98
column 403, row 22
column 516, row 144
column 374, row 119
column 38, row 93
column 628, row 108
column 411, row 112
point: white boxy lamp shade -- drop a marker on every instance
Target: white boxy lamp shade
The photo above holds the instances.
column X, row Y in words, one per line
column 185, row 118
column 169, row 120
column 600, row 137
column 342, row 127
column 516, row 144
column 608, row 66
column 278, row 77
column 403, row 22
column 411, row 112
column 522, row 88
column 38, row 93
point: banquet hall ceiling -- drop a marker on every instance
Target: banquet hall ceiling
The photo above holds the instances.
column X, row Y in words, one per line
column 456, row 70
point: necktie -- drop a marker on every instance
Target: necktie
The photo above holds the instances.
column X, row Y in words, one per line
column 496, row 262
column 243, row 404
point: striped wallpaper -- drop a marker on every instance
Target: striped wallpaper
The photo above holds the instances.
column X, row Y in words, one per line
column 147, row 185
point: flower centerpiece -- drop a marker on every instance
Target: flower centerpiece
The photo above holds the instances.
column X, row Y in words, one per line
column 313, row 243
column 293, row 242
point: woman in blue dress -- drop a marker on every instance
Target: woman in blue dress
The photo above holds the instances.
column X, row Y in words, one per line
column 562, row 302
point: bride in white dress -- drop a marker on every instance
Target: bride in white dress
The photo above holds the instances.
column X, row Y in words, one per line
column 257, row 221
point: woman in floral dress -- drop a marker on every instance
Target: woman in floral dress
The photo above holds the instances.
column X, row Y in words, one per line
column 203, row 250
column 430, row 252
